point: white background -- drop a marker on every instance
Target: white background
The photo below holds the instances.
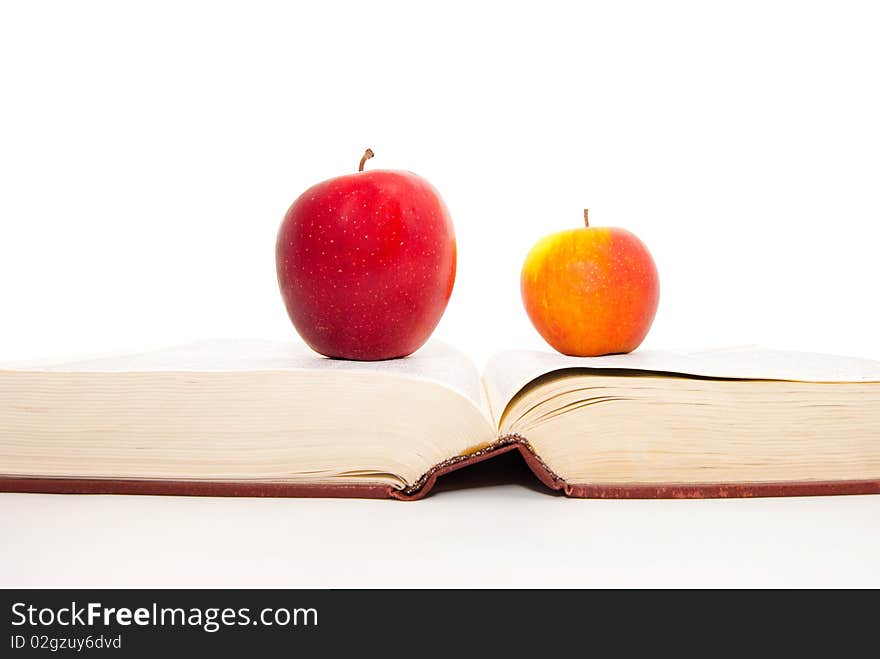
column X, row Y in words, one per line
column 149, row 150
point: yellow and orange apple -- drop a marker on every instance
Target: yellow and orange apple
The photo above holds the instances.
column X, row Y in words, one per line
column 591, row 291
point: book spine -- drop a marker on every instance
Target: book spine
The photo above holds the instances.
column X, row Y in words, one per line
column 505, row 444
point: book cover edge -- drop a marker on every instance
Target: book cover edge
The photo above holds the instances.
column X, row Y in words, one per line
column 425, row 484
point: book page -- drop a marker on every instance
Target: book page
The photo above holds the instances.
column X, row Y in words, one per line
column 435, row 361
column 509, row 372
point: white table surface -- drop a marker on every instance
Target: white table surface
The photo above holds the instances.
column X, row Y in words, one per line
column 500, row 535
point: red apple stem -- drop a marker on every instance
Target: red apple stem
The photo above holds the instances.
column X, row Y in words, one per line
column 367, row 155
column 586, row 217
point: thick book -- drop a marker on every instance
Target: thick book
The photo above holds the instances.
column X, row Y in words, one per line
column 257, row 418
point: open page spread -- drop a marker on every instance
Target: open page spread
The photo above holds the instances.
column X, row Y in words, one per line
column 509, row 372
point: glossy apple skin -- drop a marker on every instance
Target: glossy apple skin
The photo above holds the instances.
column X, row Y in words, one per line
column 591, row 291
column 366, row 264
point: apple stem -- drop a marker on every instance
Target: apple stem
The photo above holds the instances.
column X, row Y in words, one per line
column 367, row 155
column 586, row 217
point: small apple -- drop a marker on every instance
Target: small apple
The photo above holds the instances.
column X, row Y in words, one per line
column 366, row 264
column 591, row 291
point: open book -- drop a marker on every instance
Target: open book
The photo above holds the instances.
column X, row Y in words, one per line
column 256, row 418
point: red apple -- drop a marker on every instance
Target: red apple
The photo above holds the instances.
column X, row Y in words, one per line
column 366, row 264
